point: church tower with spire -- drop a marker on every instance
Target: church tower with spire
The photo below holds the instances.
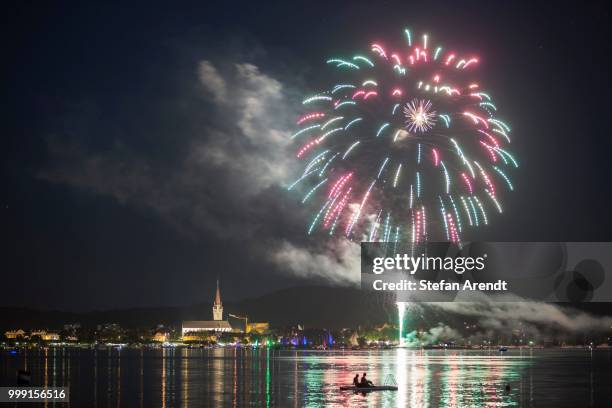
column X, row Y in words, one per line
column 217, row 306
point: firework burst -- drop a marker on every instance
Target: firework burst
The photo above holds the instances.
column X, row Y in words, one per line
column 420, row 117
column 406, row 145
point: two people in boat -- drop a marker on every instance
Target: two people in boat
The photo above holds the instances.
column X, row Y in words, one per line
column 363, row 383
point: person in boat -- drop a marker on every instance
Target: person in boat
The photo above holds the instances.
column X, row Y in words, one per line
column 365, row 382
column 356, row 380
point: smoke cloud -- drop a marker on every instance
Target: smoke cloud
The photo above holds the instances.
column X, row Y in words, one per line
column 226, row 177
column 495, row 315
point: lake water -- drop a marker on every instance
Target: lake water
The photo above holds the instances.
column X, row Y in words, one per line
column 239, row 377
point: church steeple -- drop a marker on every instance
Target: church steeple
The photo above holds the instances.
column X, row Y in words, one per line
column 217, row 306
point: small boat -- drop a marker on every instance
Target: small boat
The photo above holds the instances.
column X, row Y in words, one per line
column 368, row 389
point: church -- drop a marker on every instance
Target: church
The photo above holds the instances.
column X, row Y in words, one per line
column 217, row 324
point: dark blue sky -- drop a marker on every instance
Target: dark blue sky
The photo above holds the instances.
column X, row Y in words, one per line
column 102, row 109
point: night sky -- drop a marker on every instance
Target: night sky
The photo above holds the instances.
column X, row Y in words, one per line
column 144, row 148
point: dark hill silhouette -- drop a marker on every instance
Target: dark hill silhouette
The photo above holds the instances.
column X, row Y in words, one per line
column 310, row 306
column 313, row 306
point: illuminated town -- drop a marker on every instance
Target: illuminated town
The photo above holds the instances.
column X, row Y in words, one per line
column 232, row 330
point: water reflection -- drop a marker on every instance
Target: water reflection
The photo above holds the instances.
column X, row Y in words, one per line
column 237, row 377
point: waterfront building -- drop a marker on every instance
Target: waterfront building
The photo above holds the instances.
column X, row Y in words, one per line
column 215, row 325
column 45, row 335
column 160, row 336
column 14, row 334
column 259, row 328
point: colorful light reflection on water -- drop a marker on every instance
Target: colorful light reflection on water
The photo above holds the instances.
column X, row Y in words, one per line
column 268, row 377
